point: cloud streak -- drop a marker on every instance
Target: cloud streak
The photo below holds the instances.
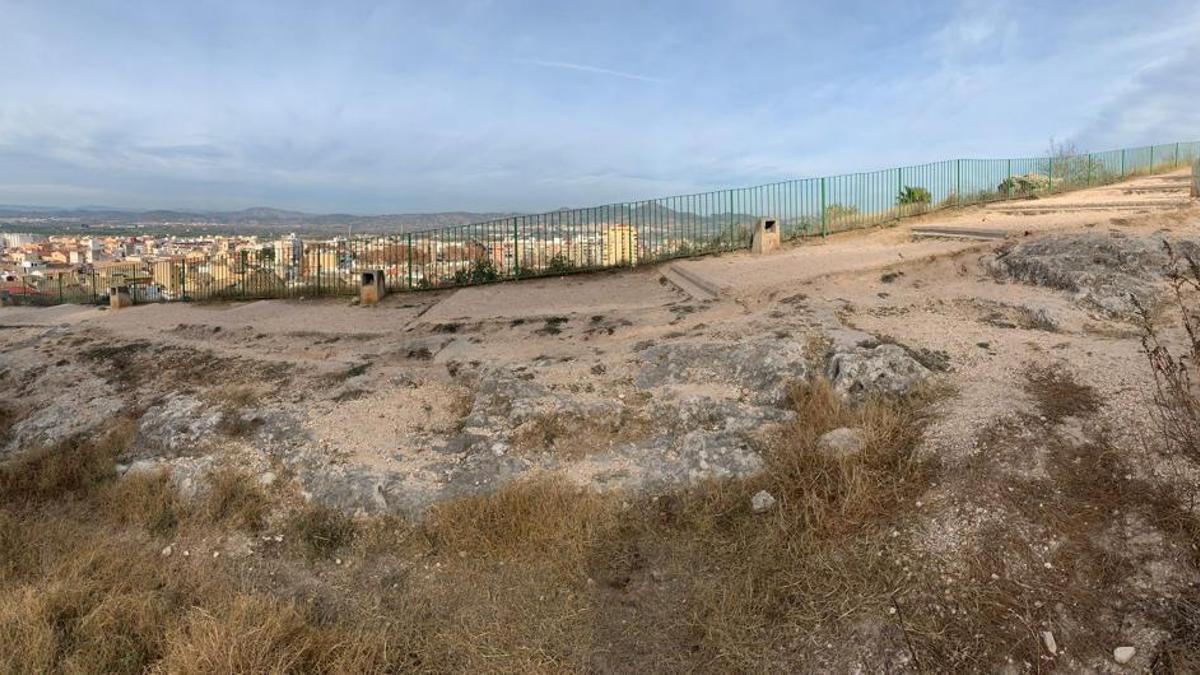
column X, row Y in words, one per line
column 595, row 70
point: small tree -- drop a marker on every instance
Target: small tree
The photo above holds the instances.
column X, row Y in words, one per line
column 1067, row 166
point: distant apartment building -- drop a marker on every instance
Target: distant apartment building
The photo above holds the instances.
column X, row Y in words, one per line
column 320, row 259
column 168, row 275
column 20, row 239
column 619, row 245
column 289, row 253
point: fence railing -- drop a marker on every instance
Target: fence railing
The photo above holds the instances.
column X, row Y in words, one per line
column 1196, row 177
column 600, row 237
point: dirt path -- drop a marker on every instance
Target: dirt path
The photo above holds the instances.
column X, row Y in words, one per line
column 745, row 277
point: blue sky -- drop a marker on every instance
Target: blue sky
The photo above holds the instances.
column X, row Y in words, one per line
column 373, row 107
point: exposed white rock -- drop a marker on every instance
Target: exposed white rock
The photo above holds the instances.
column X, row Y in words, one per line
column 762, row 501
column 842, row 442
column 1123, row 655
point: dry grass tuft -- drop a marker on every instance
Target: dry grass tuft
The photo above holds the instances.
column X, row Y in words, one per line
column 575, row 436
column 71, row 468
column 532, row 517
column 321, row 530
column 234, row 400
column 1181, row 653
column 1058, row 394
column 235, row 396
column 147, row 500
column 234, row 498
column 8, row 417
column 828, row 493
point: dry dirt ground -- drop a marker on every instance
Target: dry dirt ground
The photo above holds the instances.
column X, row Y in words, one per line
column 1043, row 506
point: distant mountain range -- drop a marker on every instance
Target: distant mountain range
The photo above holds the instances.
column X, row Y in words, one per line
column 247, row 220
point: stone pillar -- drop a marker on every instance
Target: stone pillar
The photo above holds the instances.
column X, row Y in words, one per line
column 766, row 236
column 119, row 297
column 373, row 287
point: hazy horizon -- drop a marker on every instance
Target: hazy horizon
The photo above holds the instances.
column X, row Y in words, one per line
column 393, row 108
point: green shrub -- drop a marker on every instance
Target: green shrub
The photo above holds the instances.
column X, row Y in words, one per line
column 480, row 271
column 559, row 264
column 914, row 195
column 1023, row 186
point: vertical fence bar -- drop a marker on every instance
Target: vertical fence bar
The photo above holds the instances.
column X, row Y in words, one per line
column 410, row 261
column 824, row 210
column 516, row 250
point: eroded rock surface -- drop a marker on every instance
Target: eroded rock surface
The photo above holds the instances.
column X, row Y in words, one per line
column 884, row 369
column 1104, row 272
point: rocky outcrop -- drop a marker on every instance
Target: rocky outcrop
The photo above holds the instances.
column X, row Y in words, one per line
column 884, row 369
column 179, row 423
column 764, row 366
column 1105, row 272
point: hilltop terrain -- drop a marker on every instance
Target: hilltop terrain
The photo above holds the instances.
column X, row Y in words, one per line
column 870, row 453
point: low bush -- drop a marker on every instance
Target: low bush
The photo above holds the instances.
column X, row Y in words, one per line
column 910, row 196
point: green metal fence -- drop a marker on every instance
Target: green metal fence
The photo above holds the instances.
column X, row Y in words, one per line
column 1196, row 177
column 600, row 237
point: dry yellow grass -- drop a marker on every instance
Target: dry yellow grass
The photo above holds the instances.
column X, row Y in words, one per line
column 538, row 577
column 233, row 497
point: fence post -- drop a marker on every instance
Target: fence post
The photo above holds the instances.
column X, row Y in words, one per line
column 516, row 251
column 95, row 295
column 1152, row 159
column 60, row 288
column 1008, row 183
column 1177, row 154
column 410, row 270
column 1050, row 171
column 730, row 220
column 1122, row 163
column 899, row 191
column 958, row 179
column 824, row 223
column 1089, row 173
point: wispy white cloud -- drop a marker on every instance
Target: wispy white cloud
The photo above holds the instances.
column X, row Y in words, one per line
column 1156, row 104
column 584, row 68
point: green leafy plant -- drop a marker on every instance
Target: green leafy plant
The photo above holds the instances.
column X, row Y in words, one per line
column 480, row 271
column 914, row 195
column 559, row 264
